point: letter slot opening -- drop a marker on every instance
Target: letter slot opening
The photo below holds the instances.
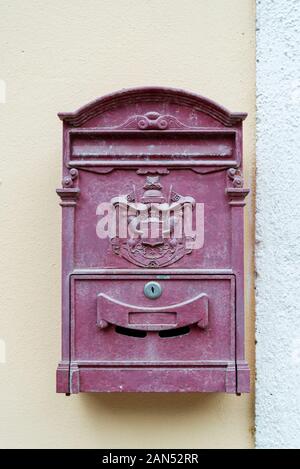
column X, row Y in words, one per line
column 174, row 332
column 130, row 332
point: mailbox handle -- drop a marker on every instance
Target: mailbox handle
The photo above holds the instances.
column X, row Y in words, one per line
column 186, row 313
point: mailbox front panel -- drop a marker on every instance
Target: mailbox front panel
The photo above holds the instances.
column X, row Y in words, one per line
column 212, row 209
column 152, row 275
column 113, row 320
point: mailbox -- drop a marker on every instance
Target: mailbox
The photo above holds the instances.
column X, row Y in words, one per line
column 152, row 245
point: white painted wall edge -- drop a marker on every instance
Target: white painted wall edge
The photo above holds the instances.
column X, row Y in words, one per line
column 278, row 225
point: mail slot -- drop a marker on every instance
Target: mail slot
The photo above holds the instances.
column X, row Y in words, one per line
column 152, row 203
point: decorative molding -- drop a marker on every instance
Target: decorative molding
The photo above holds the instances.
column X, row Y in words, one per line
column 207, row 170
column 152, row 121
column 230, row 378
column 150, row 167
column 162, row 171
column 98, row 169
column 68, row 181
column 62, row 377
column 236, row 192
column 69, row 194
column 236, row 176
column 92, row 273
column 243, row 377
column 74, row 378
column 153, row 170
column 152, row 94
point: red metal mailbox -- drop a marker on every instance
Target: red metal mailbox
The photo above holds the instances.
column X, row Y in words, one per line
column 152, row 279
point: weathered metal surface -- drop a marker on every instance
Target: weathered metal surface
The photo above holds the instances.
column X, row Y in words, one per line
column 153, row 312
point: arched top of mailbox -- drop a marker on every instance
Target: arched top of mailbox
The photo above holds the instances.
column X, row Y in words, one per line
column 139, row 97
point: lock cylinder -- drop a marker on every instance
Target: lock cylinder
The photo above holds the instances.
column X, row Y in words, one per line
column 152, row 290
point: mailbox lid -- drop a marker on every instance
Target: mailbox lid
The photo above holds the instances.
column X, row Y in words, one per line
column 138, row 329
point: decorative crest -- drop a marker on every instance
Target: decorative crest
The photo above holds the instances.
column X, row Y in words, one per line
column 155, row 235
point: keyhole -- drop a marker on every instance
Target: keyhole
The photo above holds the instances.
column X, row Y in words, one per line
column 152, row 290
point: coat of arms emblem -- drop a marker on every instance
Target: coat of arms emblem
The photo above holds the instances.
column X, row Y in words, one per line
column 150, row 229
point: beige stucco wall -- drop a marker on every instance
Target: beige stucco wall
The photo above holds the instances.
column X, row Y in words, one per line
column 56, row 55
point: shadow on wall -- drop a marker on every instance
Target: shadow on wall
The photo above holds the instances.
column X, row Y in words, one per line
column 150, row 405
